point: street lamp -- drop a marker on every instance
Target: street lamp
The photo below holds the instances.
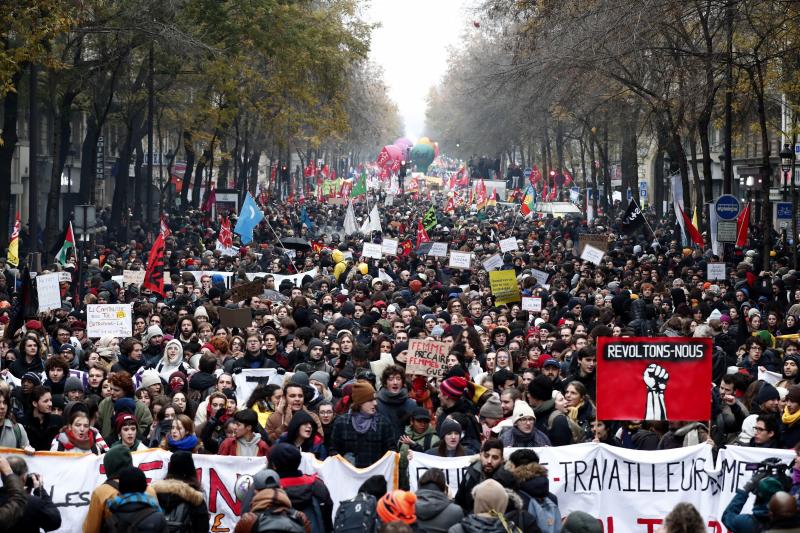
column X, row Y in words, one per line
column 787, row 160
column 787, row 166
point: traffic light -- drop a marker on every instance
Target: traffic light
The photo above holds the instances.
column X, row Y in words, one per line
column 402, row 173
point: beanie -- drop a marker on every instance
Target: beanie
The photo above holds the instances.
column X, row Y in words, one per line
column 181, row 466
column 363, row 392
column 72, row 384
column 454, row 387
column 490, row 496
column 124, row 419
column 127, row 405
column 285, row 459
column 299, row 378
column 322, row 377
column 581, row 522
column 32, row 377
column 492, row 409
column 117, row 459
column 449, row 426
column 541, row 388
column 150, row 377
column 767, row 393
column 132, row 480
column 398, row 505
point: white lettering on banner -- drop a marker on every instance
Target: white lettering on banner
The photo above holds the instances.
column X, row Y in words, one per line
column 508, row 245
column 71, row 478
column 248, row 379
column 372, row 250
column 109, row 320
column 48, row 291
column 389, row 246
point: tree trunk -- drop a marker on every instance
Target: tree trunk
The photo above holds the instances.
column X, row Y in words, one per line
column 89, row 159
column 8, row 144
column 253, row 172
column 628, row 155
column 186, row 182
column 61, row 134
column 197, row 187
column 139, row 183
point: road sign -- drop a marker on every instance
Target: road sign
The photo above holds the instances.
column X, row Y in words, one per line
column 727, row 207
column 781, row 215
column 797, row 149
column 643, row 190
column 726, row 231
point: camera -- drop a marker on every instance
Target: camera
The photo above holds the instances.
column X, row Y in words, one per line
column 773, row 466
column 29, row 480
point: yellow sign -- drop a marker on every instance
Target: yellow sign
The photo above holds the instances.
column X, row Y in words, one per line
column 504, row 286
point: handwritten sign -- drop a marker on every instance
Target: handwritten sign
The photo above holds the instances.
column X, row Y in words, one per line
column 716, row 271
column 109, row 320
column 508, row 245
column 598, row 241
column 247, row 290
column 389, row 246
column 48, row 291
column 133, row 277
column 592, row 254
column 530, row 303
column 426, row 358
column 493, row 263
column 541, row 277
column 504, row 286
column 65, row 276
column 438, row 249
column 460, row 260
column 371, row 249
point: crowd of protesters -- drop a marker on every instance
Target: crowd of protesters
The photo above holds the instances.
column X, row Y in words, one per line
column 339, row 339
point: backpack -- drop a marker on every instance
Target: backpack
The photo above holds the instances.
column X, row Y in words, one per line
column 357, row 515
column 274, row 521
column 547, row 515
column 115, row 524
column 578, row 435
column 178, row 518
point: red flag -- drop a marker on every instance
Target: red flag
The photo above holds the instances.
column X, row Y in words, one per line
column 211, row 199
column 567, row 177
column 742, row 225
column 164, row 227
column 545, row 191
column 693, row 233
column 154, row 275
column 536, row 175
column 450, row 207
column 422, row 235
column 462, row 177
column 225, row 237
column 405, row 248
column 325, row 171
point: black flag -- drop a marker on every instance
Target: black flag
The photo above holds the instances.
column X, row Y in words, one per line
column 632, row 219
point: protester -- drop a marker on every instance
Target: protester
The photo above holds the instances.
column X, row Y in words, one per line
column 13, row 500
column 486, row 467
column 40, row 513
column 435, row 512
column 362, row 436
column 181, row 496
column 133, row 508
column 271, row 509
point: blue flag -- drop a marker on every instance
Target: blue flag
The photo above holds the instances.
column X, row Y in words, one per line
column 249, row 217
column 305, row 220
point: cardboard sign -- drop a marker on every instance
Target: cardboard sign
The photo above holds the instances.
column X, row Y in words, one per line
column 235, row 318
column 716, row 271
column 426, row 358
column 530, row 303
column 48, row 291
column 247, row 290
column 389, row 246
column 460, row 260
column 493, row 263
column 438, row 249
column 664, row 378
column 508, row 245
column 109, row 320
column 592, row 254
column 504, row 286
column 133, row 277
column 541, row 277
column 371, row 249
column 598, row 241
column 65, row 276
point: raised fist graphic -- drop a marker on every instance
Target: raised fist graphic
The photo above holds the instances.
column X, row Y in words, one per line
column 655, row 379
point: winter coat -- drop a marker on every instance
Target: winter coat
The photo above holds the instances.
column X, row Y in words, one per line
column 173, row 492
column 8, row 435
column 267, row 500
column 744, row 523
column 304, row 491
column 14, row 501
column 396, row 408
column 478, row 524
column 20, row 366
column 512, row 437
column 435, row 512
column 61, row 443
column 98, row 510
column 790, row 435
column 315, row 444
column 41, row 434
column 558, row 430
column 105, row 416
column 230, row 446
column 126, row 507
column 278, row 424
column 364, row 448
column 40, row 512
column 472, row 477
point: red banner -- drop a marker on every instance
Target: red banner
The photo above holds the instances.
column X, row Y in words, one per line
column 653, row 378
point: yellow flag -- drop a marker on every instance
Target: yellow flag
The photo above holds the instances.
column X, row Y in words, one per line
column 13, row 245
column 694, row 219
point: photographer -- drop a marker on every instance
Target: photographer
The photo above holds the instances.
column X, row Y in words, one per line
column 40, row 513
column 770, row 477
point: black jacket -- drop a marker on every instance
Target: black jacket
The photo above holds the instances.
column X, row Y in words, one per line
column 41, row 434
column 309, row 495
column 365, row 448
column 40, row 512
column 472, row 477
column 172, row 492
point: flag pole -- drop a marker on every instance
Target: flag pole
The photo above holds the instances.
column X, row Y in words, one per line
column 278, row 239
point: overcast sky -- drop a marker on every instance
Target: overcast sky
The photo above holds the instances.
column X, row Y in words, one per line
column 412, row 47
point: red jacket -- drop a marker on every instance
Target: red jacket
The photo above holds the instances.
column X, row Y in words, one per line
column 228, row 447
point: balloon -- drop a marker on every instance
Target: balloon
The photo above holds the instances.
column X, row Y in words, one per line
column 404, row 142
column 339, row 269
column 363, row 268
column 242, row 486
column 422, row 156
column 337, row 256
column 424, row 140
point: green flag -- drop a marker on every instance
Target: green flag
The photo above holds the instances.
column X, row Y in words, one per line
column 361, row 185
column 69, row 244
column 429, row 221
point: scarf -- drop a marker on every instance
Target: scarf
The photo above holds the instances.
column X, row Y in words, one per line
column 132, row 497
column 82, row 444
column 789, row 418
column 186, row 444
column 363, row 422
column 572, row 412
column 210, row 413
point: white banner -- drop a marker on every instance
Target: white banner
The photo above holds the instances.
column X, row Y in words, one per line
column 493, row 263
column 48, row 291
column 438, row 249
column 109, row 320
column 295, row 279
column 508, row 245
column 371, row 249
column 530, row 303
column 71, row 478
column 460, row 260
column 592, row 254
column 389, row 246
column 133, row 277
column 248, row 379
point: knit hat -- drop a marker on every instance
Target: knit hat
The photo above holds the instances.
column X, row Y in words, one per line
column 127, row 405
column 522, row 410
column 33, row 377
column 363, row 392
column 449, row 426
column 73, row 384
column 794, row 394
column 152, row 331
column 489, row 496
column 117, row 459
column 766, row 393
column 454, row 387
column 200, row 311
column 181, row 466
column 150, row 377
column 398, row 505
column 122, row 420
column 299, row 378
column 132, row 480
column 66, row 347
column 767, row 488
column 581, row 522
column 541, row 388
column 322, row 377
column 492, row 409
column 285, row 459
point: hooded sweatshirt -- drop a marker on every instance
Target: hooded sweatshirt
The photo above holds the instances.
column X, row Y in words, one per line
column 167, row 366
column 435, row 512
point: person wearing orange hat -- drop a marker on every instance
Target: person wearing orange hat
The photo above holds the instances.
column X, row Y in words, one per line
column 363, row 435
column 397, row 506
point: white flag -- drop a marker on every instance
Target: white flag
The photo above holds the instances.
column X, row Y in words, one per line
column 677, row 201
column 350, row 220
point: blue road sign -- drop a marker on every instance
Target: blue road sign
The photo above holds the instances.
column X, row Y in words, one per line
column 727, row 207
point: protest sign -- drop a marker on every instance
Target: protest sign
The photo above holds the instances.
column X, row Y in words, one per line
column 460, row 260
column 598, row 241
column 247, row 290
column 438, row 249
column 248, row 379
column 65, row 276
column 530, row 303
column 508, row 245
column 333, row 200
column 371, row 249
column 664, row 378
column 389, row 246
column 295, row 279
column 716, row 271
column 133, row 277
column 504, row 286
column 235, row 318
column 426, row 358
column 48, row 292
column 592, row 254
column 109, row 320
column 541, row 277
column 493, row 263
